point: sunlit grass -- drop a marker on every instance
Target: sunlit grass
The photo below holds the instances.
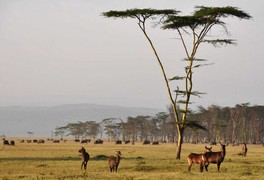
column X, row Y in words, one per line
column 62, row 161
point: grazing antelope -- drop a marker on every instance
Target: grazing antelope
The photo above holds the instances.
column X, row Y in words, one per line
column 197, row 159
column 127, row 141
column 98, row 141
column 114, row 161
column 215, row 157
column 155, row 143
column 244, row 149
column 118, row 142
column 5, row 142
column 146, row 142
column 85, row 158
column 12, row 143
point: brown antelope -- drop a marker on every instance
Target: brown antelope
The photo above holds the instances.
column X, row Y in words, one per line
column 244, row 149
column 114, row 161
column 214, row 157
column 85, row 158
column 197, row 159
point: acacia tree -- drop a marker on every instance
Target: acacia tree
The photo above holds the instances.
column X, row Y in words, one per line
column 195, row 26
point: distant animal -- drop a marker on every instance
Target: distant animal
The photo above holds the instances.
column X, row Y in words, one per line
column 5, row 142
column 197, row 159
column 213, row 143
column 12, row 143
column 56, row 141
column 85, row 141
column 114, row 161
column 118, row 142
column 146, row 142
column 155, row 142
column 41, row 141
column 98, row 141
column 244, row 149
column 85, row 158
column 29, row 141
column 35, row 141
column 127, row 141
column 215, row 157
column 76, row 140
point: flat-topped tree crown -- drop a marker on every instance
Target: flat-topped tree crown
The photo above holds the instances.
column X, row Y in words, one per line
column 203, row 19
column 135, row 13
column 196, row 25
column 220, row 12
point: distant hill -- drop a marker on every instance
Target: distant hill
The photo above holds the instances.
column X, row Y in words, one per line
column 41, row 120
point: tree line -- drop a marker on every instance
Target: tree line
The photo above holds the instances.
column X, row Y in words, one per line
column 239, row 124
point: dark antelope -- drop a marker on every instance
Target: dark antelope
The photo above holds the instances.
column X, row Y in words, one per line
column 215, row 157
column 114, row 161
column 244, row 149
column 197, row 159
column 85, row 158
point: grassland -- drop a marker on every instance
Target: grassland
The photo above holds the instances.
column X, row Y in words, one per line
column 62, row 161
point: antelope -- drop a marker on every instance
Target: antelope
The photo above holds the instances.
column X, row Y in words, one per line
column 85, row 158
column 197, row 159
column 214, row 157
column 114, row 161
column 118, row 142
column 244, row 149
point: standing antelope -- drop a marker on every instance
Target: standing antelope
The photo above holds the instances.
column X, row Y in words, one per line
column 85, row 158
column 114, row 161
column 215, row 157
column 197, row 159
column 244, row 149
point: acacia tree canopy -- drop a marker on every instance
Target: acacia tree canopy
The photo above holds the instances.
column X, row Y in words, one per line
column 136, row 13
column 197, row 26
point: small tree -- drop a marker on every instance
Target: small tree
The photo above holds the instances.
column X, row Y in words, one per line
column 196, row 26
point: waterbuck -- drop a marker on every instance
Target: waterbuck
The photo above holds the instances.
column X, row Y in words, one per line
column 114, row 161
column 85, row 158
column 215, row 157
column 197, row 159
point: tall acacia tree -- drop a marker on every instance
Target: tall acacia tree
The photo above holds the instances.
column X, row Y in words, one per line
column 195, row 26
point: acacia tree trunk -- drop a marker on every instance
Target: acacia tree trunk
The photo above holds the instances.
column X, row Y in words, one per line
column 180, row 141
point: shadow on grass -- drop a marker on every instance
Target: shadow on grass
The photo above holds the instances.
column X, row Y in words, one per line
column 40, row 159
column 104, row 157
column 95, row 158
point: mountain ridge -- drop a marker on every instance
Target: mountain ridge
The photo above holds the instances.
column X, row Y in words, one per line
column 42, row 120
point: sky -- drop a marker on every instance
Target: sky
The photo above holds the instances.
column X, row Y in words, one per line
column 66, row 52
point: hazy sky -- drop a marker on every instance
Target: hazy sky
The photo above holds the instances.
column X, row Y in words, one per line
column 64, row 51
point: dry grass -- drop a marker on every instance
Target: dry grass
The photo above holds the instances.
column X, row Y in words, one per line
column 62, row 161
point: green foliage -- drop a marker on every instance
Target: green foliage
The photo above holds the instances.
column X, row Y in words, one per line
column 195, row 125
column 176, row 78
column 217, row 42
column 79, row 129
column 204, row 16
column 218, row 12
column 177, row 22
column 196, row 25
column 136, row 13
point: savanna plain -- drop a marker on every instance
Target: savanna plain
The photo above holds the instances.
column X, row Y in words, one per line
column 63, row 161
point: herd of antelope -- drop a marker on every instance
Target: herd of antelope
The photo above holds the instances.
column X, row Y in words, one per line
column 112, row 160
column 208, row 157
column 203, row 159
